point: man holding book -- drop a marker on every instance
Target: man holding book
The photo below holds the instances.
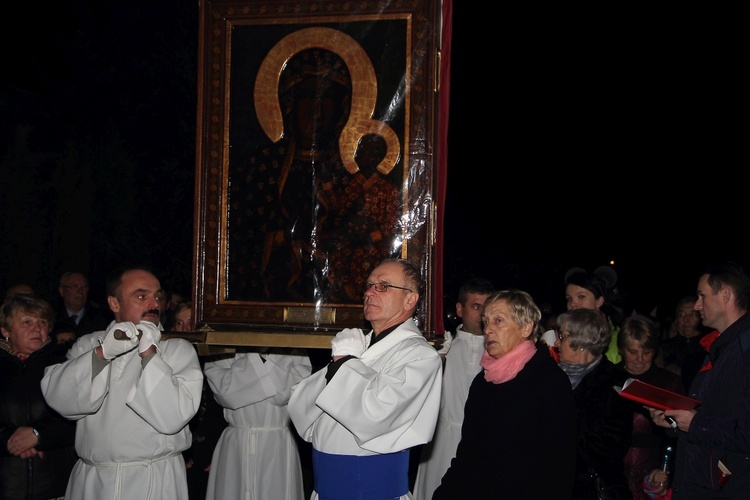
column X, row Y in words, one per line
column 714, row 438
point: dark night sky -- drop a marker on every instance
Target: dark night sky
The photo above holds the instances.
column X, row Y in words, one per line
column 596, row 135
column 575, row 138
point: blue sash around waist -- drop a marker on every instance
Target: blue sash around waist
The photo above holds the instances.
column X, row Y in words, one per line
column 372, row 477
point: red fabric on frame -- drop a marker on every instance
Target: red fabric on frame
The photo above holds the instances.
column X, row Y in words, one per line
column 442, row 160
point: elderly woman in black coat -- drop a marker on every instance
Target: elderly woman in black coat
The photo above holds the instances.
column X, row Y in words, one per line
column 605, row 419
column 519, row 432
column 37, row 452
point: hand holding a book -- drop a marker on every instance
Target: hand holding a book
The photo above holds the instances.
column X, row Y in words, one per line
column 667, row 408
column 681, row 418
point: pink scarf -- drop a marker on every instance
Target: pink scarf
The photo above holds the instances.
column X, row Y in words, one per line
column 507, row 367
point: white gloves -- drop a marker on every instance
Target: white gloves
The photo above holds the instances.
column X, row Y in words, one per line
column 150, row 335
column 112, row 347
column 349, row 342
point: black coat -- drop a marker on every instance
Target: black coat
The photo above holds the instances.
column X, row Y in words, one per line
column 605, row 424
column 517, row 439
column 22, row 404
column 720, row 430
column 686, row 353
column 95, row 319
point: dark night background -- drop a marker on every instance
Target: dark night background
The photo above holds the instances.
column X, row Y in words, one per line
column 576, row 138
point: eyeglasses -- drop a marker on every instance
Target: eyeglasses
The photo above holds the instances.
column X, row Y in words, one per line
column 82, row 288
column 691, row 314
column 383, row 287
column 562, row 336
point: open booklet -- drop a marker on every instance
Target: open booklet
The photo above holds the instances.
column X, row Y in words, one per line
column 656, row 397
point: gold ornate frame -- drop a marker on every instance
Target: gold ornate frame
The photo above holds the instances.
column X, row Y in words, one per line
column 390, row 53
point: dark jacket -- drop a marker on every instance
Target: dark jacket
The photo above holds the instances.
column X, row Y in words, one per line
column 686, row 353
column 95, row 319
column 649, row 441
column 647, row 434
column 517, row 439
column 721, row 428
column 605, row 423
column 22, row 404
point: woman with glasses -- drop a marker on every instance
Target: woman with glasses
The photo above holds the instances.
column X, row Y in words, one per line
column 518, row 433
column 604, row 418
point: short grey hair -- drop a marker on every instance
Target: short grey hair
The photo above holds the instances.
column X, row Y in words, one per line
column 412, row 274
column 522, row 307
column 588, row 328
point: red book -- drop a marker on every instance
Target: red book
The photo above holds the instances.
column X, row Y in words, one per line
column 656, row 397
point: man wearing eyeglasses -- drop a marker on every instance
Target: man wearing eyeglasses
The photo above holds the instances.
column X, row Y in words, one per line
column 75, row 314
column 684, row 354
column 378, row 397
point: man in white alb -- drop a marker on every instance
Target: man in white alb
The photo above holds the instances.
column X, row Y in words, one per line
column 378, row 397
column 132, row 395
